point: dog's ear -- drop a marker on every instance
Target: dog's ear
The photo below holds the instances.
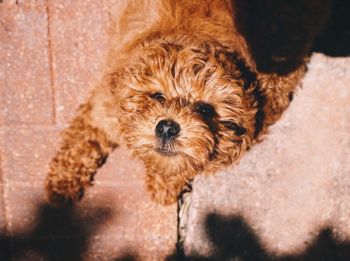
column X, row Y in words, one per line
column 253, row 99
column 115, row 79
column 125, row 91
column 236, row 66
column 125, row 97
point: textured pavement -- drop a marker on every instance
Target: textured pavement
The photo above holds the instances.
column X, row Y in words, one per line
column 290, row 195
column 51, row 54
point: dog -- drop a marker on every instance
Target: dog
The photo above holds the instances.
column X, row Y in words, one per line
column 189, row 94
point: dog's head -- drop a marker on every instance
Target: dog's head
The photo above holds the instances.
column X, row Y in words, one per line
column 186, row 109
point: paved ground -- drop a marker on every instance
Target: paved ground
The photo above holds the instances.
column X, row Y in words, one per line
column 51, row 54
column 289, row 197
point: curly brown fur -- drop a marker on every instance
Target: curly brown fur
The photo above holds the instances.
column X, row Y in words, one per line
column 190, row 72
column 84, row 150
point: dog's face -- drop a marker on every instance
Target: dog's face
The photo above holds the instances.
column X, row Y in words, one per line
column 182, row 110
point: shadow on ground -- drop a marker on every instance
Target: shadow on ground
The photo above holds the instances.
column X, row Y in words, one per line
column 335, row 40
column 59, row 234
column 280, row 34
column 232, row 239
column 62, row 234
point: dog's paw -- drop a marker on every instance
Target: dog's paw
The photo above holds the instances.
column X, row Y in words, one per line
column 61, row 198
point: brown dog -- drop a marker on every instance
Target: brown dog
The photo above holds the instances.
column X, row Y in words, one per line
column 186, row 94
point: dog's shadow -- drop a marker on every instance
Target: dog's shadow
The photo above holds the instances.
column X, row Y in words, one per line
column 59, row 234
column 232, row 239
column 63, row 234
column 279, row 34
column 335, row 40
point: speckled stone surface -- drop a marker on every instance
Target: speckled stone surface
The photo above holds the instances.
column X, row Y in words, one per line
column 25, row 89
column 52, row 54
column 79, row 38
column 289, row 188
column 2, row 209
column 27, row 151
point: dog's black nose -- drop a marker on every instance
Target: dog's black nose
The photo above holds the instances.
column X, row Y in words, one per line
column 167, row 129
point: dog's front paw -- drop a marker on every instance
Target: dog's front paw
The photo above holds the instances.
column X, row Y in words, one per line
column 60, row 196
column 59, row 200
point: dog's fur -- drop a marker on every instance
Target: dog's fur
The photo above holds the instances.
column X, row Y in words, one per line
column 193, row 66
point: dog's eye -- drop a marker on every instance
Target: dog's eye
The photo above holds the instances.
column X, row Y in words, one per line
column 206, row 110
column 158, row 96
column 239, row 130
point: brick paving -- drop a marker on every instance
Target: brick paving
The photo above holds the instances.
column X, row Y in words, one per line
column 51, row 54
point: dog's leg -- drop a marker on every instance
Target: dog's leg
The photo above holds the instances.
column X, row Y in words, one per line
column 164, row 189
column 84, row 149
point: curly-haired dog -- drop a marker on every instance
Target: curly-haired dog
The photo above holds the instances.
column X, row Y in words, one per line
column 186, row 94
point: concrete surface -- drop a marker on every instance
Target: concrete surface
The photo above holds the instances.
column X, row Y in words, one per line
column 289, row 190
